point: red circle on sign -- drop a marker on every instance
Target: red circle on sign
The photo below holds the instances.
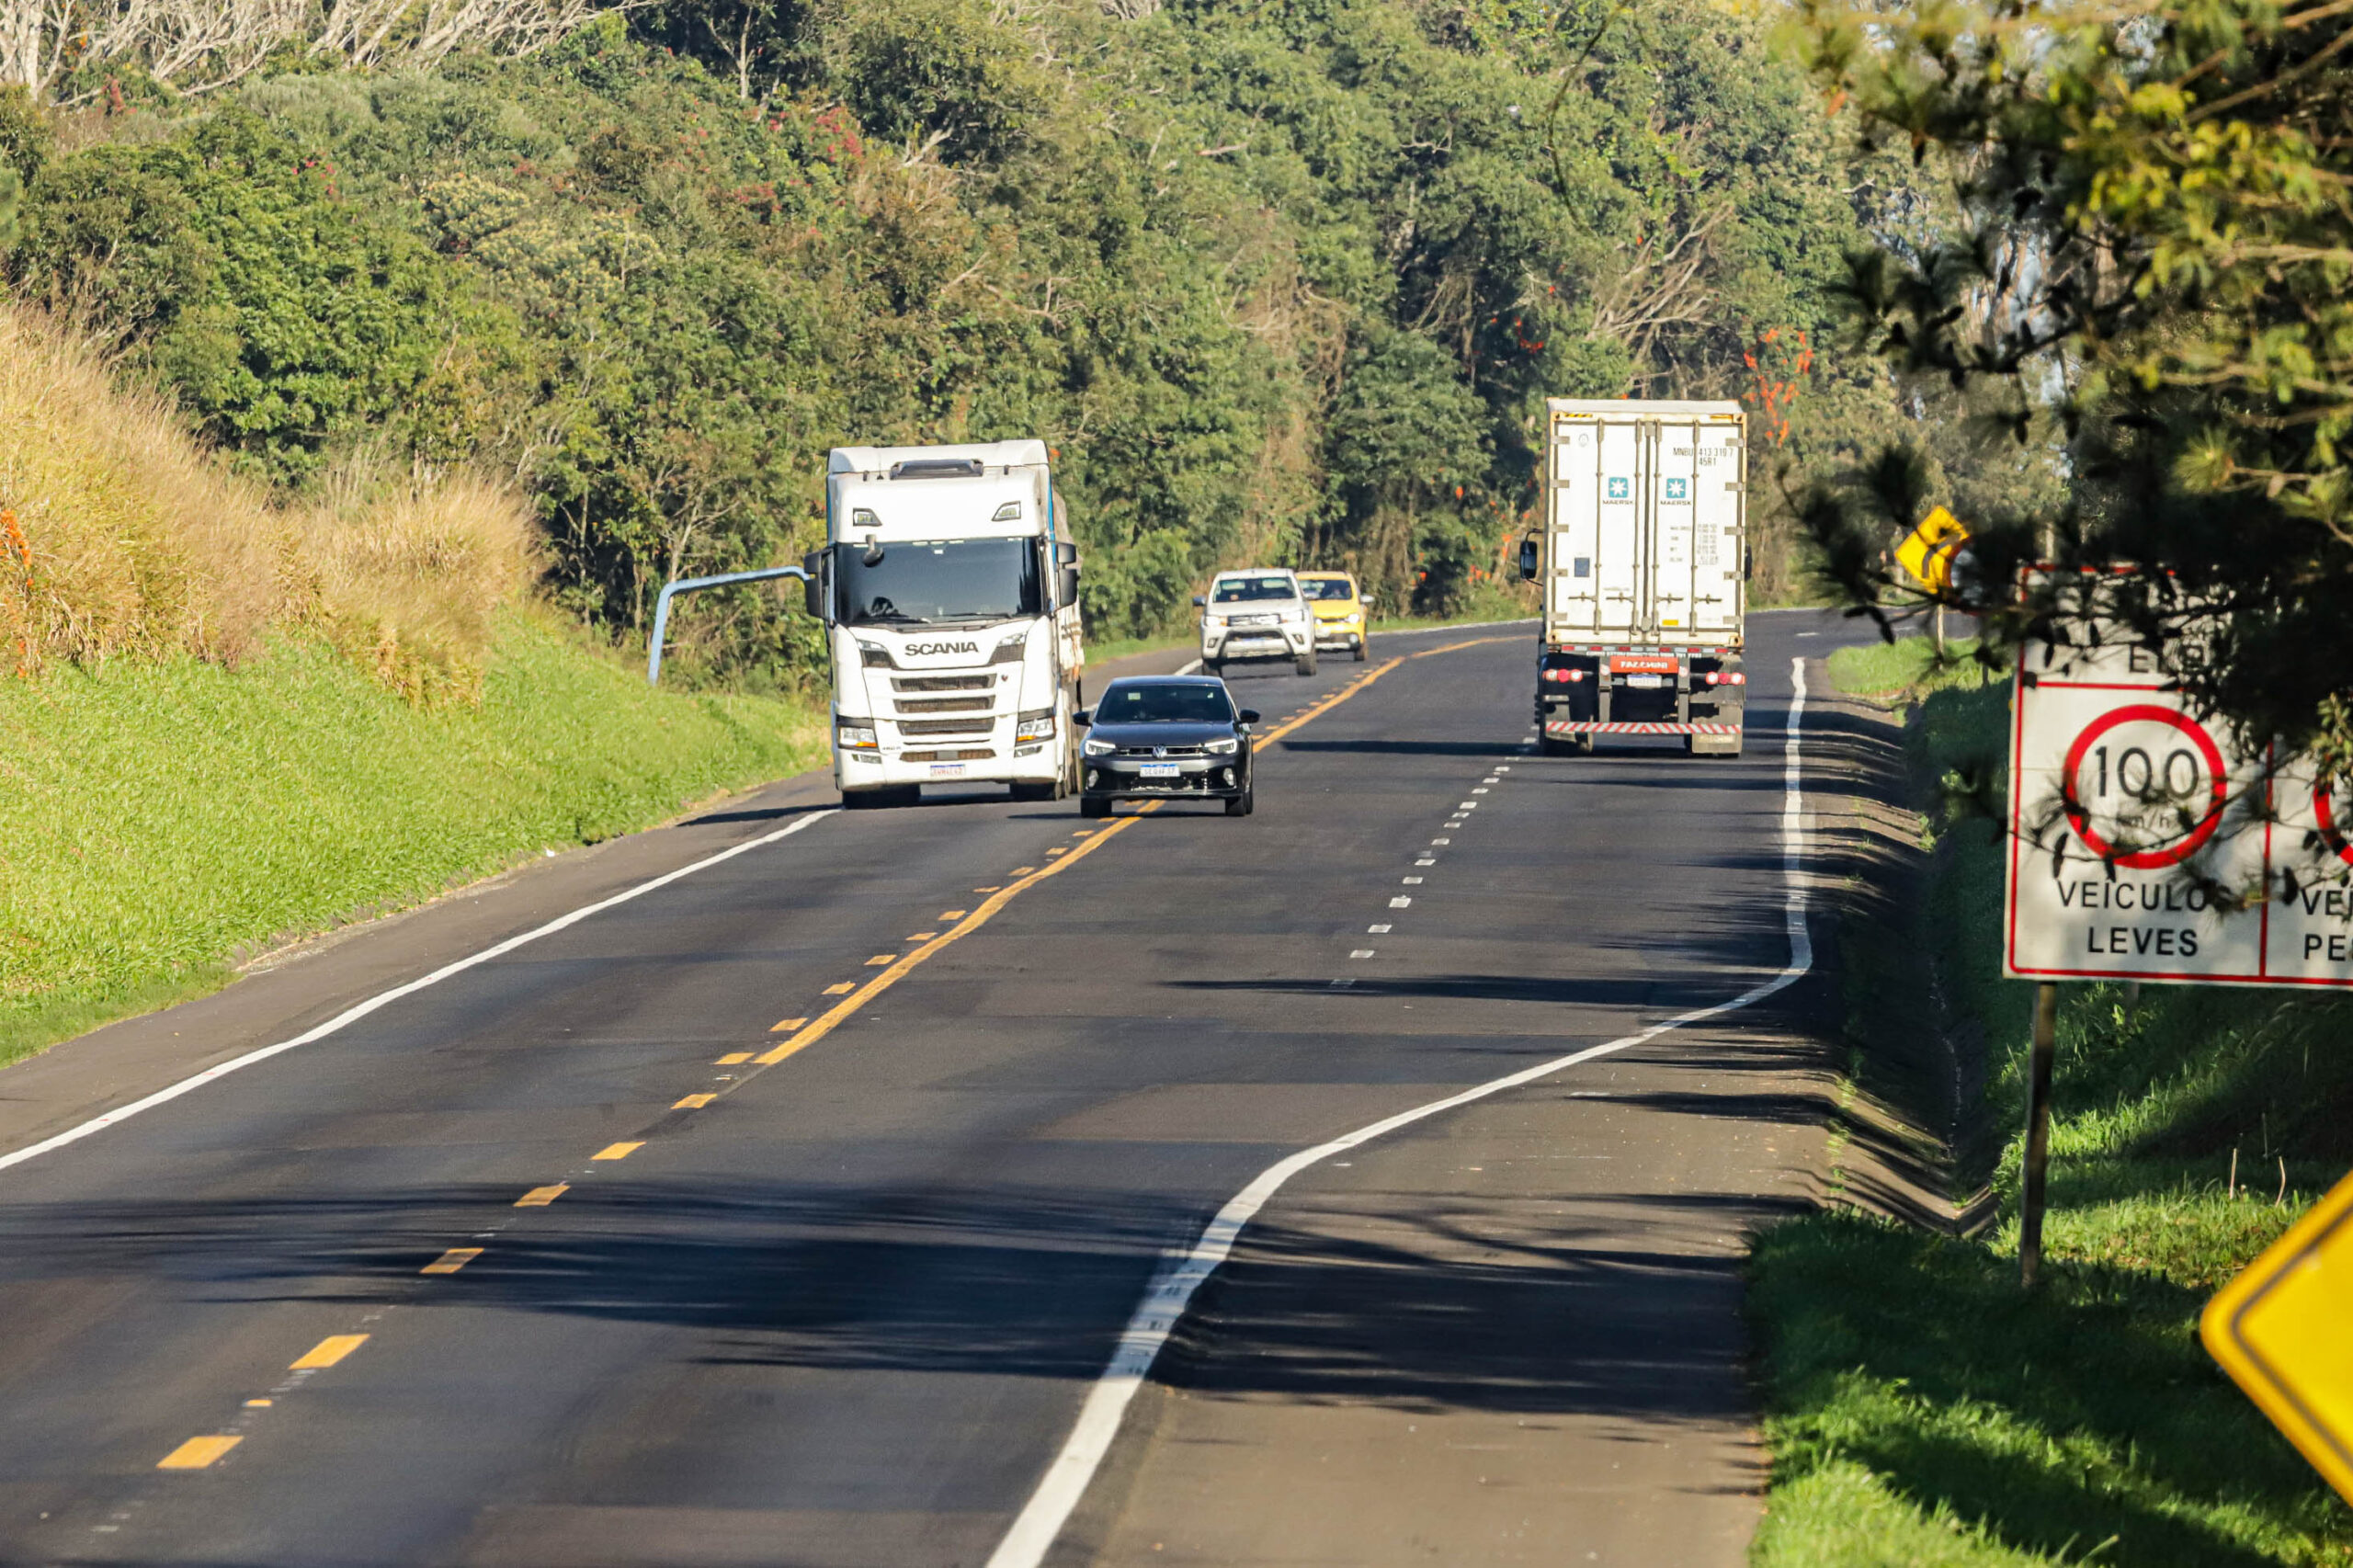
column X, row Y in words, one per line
column 2325, row 813
column 2146, row 859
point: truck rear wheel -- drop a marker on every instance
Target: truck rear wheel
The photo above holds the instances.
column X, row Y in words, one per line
column 1305, row 663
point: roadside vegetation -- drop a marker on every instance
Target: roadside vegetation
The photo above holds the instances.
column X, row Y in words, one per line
column 161, row 817
column 1924, row 1409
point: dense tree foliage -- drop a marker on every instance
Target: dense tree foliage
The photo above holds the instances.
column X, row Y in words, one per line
column 2148, row 264
column 1283, row 280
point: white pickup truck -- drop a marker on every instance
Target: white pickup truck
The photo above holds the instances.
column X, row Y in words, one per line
column 1257, row 614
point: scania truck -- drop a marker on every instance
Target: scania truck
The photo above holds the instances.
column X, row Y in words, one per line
column 1643, row 557
column 948, row 588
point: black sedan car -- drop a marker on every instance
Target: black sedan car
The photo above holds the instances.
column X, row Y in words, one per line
column 1166, row 737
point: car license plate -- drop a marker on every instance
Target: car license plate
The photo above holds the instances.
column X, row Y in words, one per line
column 947, row 770
column 1646, row 683
column 1160, row 770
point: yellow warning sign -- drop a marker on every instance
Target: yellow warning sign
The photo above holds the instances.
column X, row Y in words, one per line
column 2284, row 1331
column 1928, row 551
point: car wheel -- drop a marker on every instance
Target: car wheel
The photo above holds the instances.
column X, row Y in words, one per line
column 1359, row 650
column 1090, row 806
column 1242, row 804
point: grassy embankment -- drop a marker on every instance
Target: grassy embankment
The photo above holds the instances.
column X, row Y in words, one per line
column 1922, row 1409
column 229, row 716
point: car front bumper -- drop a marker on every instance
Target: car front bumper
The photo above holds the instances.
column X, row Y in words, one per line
column 1254, row 642
column 1197, row 778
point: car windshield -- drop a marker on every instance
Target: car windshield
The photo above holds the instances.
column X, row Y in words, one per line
column 926, row 583
column 1236, row 590
column 1325, row 588
column 1170, row 704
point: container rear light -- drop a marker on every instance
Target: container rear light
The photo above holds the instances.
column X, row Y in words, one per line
column 1558, row 676
column 1727, row 677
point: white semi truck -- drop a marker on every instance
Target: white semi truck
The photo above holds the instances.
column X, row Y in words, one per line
column 1642, row 556
column 948, row 588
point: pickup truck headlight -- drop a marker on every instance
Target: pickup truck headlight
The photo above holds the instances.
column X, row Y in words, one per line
column 855, row 737
column 1225, row 747
column 1098, row 748
column 1038, row 725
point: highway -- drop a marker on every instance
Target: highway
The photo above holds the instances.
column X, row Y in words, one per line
column 788, row 1212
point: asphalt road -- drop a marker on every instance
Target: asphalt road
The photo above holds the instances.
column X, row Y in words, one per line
column 845, row 1311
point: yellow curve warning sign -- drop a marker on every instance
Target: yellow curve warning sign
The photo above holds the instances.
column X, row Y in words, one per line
column 2284, row 1331
column 1926, row 553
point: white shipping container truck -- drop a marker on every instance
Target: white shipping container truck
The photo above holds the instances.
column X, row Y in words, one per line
column 948, row 588
column 1643, row 557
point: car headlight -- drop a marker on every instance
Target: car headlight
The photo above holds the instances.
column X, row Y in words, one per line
column 1225, row 747
column 857, row 737
column 1098, row 748
column 1035, row 725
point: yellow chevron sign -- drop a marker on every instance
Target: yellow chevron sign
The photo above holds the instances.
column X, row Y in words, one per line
column 2284, row 1332
column 1928, row 551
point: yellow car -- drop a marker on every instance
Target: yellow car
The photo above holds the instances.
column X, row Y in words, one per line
column 1339, row 611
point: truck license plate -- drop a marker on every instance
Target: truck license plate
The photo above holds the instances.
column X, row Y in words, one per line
column 947, row 769
column 1647, row 683
column 1160, row 770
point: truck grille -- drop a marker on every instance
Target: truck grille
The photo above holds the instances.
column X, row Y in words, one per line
column 966, row 754
column 942, row 683
column 946, row 726
column 944, row 705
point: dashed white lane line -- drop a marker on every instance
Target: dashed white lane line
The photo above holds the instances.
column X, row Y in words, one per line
column 1361, row 953
column 1181, row 1274
column 1410, row 881
column 385, row 998
column 1399, row 903
column 1376, row 930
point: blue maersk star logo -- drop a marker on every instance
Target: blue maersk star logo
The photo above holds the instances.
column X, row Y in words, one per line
column 1620, row 490
column 1677, row 489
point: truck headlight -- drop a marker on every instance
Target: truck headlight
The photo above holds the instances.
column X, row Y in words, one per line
column 1038, row 725
column 855, row 737
column 1225, row 747
column 1098, row 748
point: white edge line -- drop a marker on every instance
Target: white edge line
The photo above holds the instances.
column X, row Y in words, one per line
column 1040, row 1521
column 384, row 998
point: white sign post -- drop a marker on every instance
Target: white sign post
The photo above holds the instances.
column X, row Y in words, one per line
column 2145, row 846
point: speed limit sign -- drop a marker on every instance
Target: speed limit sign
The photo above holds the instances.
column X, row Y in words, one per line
column 2143, row 846
column 2123, row 829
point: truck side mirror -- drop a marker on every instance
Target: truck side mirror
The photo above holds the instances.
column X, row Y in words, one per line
column 1199, row 603
column 813, row 588
column 1083, row 718
column 1528, row 558
column 1066, row 552
column 1066, row 586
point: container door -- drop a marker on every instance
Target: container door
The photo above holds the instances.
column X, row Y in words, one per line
column 1674, row 485
column 1574, row 596
column 1619, row 554
column 1719, row 519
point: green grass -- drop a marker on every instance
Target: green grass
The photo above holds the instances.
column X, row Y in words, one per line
column 1921, row 1408
column 157, row 818
column 1907, row 666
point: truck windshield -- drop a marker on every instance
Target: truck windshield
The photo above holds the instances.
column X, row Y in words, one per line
column 1157, row 704
column 1235, row 590
column 927, row 582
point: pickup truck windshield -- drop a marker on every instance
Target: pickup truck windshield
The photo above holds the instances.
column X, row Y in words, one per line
column 928, row 583
column 1235, row 590
column 1164, row 705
